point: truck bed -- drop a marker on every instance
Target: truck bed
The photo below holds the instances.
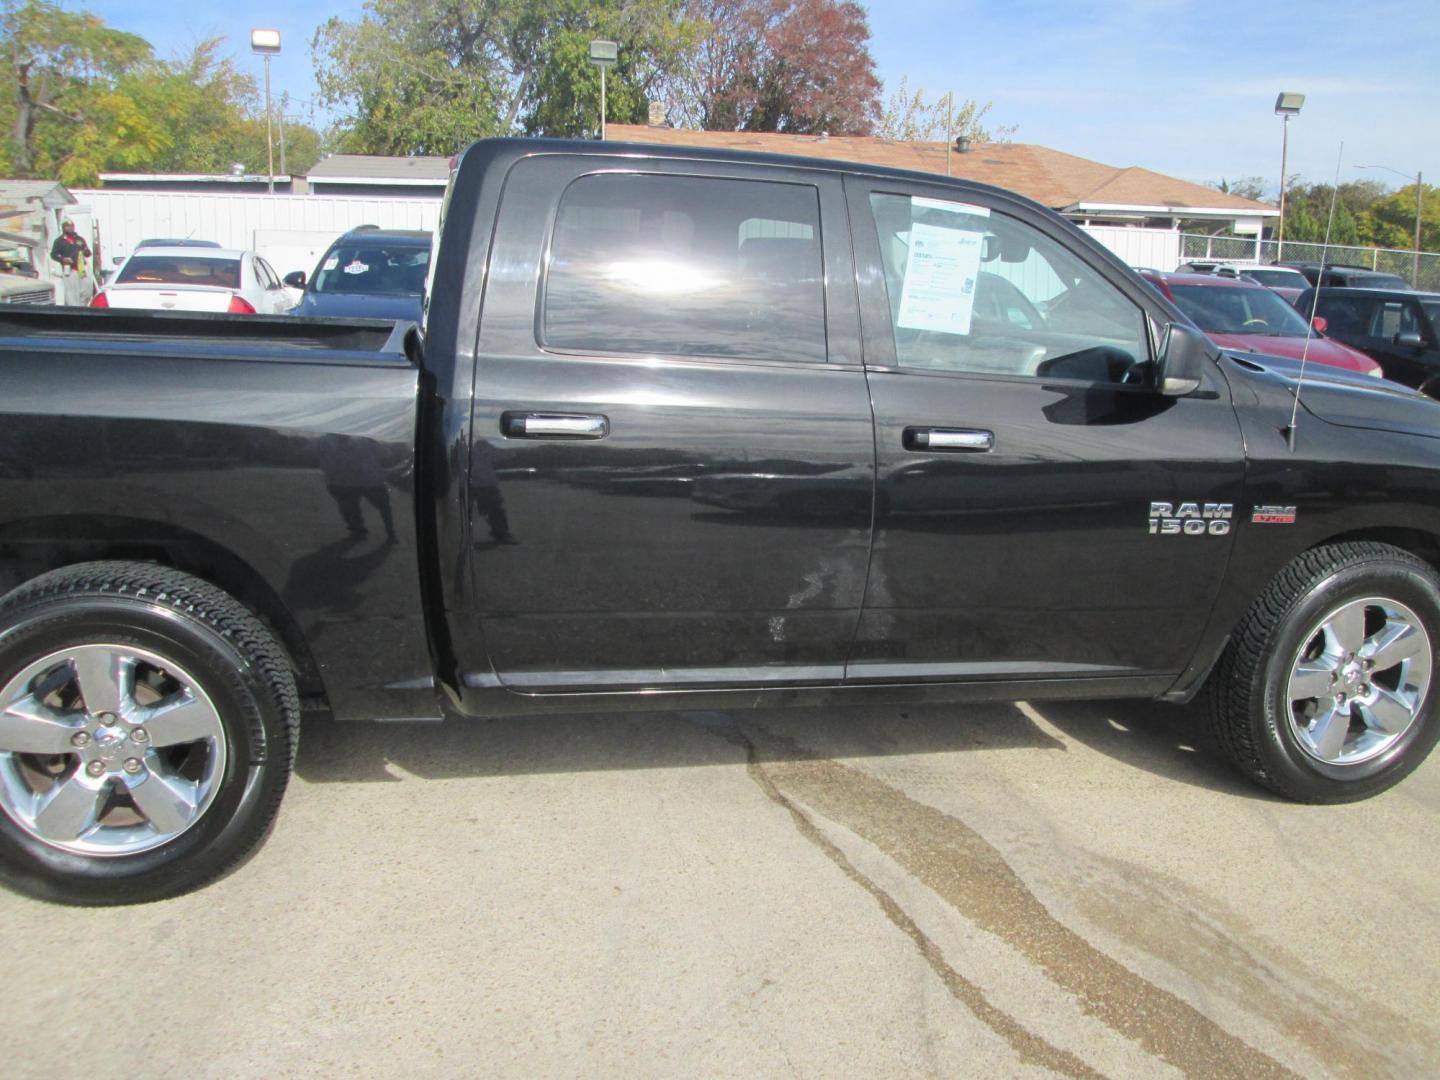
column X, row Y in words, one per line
column 251, row 337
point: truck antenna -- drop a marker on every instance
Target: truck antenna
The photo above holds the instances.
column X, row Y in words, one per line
column 1289, row 430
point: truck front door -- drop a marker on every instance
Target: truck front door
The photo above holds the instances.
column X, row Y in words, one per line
column 672, row 465
column 1042, row 511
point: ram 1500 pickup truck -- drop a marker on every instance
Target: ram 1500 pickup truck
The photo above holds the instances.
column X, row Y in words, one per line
column 683, row 428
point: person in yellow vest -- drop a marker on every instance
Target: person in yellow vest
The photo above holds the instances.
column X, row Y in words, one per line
column 71, row 251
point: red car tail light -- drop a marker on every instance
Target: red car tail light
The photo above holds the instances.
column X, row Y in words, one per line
column 240, row 306
column 98, row 300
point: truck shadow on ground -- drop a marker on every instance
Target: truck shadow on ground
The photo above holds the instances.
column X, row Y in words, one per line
column 1159, row 739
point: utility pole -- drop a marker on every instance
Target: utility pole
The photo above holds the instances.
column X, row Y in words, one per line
column 280, row 116
column 949, row 132
column 1419, row 207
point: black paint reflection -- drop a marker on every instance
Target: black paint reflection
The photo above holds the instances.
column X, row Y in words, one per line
column 354, row 475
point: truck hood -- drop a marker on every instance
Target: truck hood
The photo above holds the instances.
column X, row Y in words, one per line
column 1323, row 350
column 359, row 305
column 1346, row 398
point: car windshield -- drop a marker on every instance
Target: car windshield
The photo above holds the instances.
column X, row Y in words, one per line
column 1218, row 309
column 1285, row 279
column 373, row 269
column 180, row 270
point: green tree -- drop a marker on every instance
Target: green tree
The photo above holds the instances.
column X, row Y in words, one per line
column 1246, row 187
column 1390, row 221
column 429, row 76
column 1307, row 211
column 64, row 68
column 909, row 117
column 564, row 97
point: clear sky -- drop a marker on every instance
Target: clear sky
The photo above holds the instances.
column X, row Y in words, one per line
column 1180, row 86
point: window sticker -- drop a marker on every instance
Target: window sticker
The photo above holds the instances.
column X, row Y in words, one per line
column 940, row 273
column 331, row 263
column 918, row 203
column 356, row 267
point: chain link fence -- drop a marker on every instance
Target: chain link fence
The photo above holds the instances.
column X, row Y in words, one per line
column 1244, row 249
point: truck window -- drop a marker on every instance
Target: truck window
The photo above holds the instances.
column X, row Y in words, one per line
column 686, row 266
column 978, row 292
column 1348, row 316
column 1396, row 318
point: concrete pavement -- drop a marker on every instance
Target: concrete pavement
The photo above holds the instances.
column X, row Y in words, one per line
column 1002, row 890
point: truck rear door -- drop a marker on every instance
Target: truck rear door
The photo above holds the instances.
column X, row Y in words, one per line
column 672, row 462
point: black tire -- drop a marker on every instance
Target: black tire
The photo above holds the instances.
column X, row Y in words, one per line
column 240, row 667
column 1249, row 708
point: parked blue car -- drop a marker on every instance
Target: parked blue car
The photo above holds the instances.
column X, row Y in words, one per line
column 368, row 273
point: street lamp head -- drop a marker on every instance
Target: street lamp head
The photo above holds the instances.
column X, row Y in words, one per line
column 1287, row 104
column 265, row 41
column 604, row 53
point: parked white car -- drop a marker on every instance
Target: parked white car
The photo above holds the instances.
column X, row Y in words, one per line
column 198, row 279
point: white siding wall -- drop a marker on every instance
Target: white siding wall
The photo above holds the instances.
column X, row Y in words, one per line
column 127, row 217
column 1159, row 249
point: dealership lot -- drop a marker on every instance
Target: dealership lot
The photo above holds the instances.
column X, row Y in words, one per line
column 981, row 890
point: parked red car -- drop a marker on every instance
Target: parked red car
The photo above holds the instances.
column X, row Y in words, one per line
column 1247, row 317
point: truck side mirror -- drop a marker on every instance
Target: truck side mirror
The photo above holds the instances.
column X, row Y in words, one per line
column 1409, row 338
column 295, row 279
column 1183, row 356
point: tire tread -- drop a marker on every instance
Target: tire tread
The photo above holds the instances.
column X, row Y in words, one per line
column 224, row 615
column 1238, row 679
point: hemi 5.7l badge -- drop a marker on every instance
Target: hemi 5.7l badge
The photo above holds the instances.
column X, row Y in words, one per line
column 1273, row 515
column 1190, row 519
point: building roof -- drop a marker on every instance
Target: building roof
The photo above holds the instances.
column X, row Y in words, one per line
column 190, row 178
column 48, row 193
column 375, row 169
column 1058, row 180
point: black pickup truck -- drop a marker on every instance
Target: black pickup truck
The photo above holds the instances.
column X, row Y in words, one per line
column 692, row 429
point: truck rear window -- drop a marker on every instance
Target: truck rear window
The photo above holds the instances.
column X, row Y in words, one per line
column 181, row 270
column 687, row 266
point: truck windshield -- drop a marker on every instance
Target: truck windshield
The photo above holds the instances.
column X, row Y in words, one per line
column 180, row 270
column 1220, row 310
column 373, row 270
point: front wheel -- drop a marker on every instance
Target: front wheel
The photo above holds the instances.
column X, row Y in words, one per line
column 1326, row 691
column 148, row 724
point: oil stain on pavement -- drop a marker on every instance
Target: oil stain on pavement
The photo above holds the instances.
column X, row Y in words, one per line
column 970, row 874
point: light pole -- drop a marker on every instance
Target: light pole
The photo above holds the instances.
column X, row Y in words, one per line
column 1419, row 209
column 1286, row 106
column 602, row 54
column 267, row 44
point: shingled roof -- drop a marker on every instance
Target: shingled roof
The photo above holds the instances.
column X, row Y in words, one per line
column 375, row 168
column 1058, row 180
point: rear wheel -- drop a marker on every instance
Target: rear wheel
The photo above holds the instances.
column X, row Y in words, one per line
column 148, row 724
column 1326, row 692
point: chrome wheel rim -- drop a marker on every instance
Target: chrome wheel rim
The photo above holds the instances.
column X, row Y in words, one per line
column 1357, row 683
column 107, row 750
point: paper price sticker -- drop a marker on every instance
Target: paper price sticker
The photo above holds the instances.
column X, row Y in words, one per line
column 940, row 273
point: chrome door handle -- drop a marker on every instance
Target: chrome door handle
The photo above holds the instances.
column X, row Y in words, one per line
column 951, row 440
column 519, row 425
